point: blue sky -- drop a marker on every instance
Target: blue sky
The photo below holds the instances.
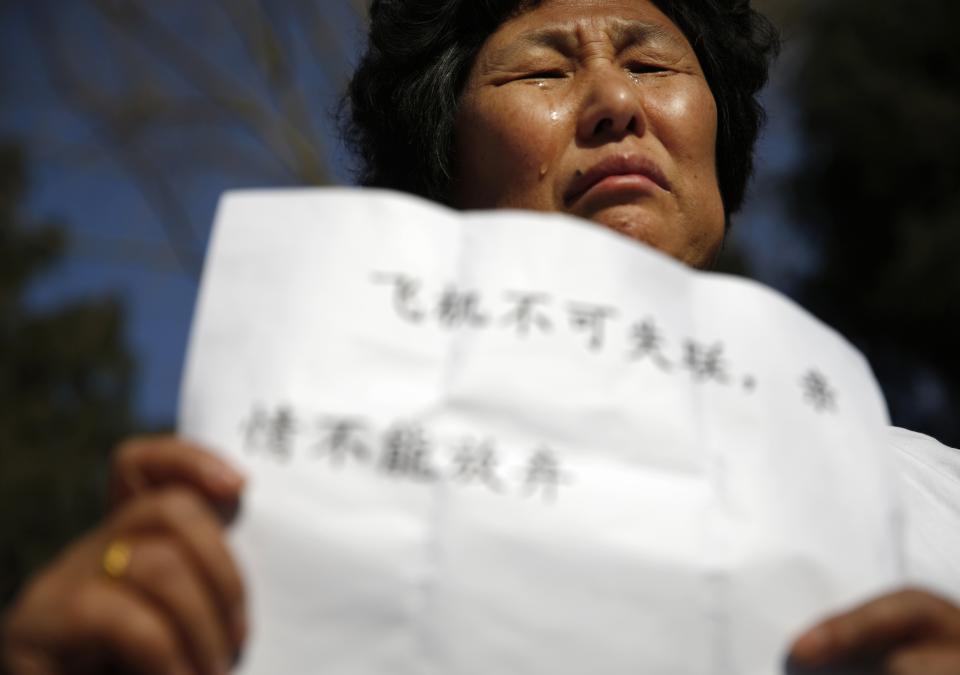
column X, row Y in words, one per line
column 119, row 247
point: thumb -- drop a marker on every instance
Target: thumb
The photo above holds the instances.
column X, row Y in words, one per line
column 147, row 462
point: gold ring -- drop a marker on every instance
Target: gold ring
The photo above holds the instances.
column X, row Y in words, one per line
column 116, row 558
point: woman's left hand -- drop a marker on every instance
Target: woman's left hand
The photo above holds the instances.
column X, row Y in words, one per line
column 910, row 632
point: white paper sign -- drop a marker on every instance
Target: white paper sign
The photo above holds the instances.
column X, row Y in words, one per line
column 519, row 443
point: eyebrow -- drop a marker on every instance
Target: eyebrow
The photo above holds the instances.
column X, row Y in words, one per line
column 630, row 33
column 564, row 38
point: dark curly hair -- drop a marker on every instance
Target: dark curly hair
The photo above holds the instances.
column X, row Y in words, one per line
column 404, row 96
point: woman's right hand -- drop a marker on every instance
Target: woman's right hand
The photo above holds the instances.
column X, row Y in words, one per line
column 153, row 589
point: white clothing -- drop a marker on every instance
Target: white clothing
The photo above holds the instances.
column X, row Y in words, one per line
column 929, row 475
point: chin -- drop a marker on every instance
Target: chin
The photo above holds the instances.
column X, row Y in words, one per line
column 638, row 226
column 660, row 235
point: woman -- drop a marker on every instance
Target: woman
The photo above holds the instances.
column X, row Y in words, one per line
column 636, row 114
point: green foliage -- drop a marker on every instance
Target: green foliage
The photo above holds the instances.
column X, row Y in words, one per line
column 879, row 97
column 64, row 388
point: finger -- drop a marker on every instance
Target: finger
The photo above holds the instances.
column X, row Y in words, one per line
column 794, row 667
column 924, row 660
column 875, row 627
column 184, row 515
column 147, row 462
column 129, row 630
column 164, row 574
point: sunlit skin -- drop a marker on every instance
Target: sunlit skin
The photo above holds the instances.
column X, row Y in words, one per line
column 554, row 93
column 570, row 83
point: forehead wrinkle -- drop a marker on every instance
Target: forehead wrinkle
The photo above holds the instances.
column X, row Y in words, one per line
column 567, row 37
column 625, row 34
column 557, row 37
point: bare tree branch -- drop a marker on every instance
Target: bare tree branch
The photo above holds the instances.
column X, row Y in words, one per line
column 107, row 125
column 154, row 85
column 302, row 155
column 362, row 8
column 272, row 56
column 123, row 250
column 327, row 43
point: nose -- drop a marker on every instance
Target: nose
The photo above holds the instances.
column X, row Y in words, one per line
column 612, row 107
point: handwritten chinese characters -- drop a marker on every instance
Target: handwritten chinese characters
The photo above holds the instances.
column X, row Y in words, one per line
column 533, row 313
column 403, row 451
column 817, row 391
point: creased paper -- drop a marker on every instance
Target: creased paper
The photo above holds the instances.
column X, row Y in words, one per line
column 519, row 443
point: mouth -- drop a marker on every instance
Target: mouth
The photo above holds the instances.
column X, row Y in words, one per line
column 618, row 173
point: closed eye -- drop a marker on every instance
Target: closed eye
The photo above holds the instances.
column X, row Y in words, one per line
column 545, row 75
column 644, row 68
